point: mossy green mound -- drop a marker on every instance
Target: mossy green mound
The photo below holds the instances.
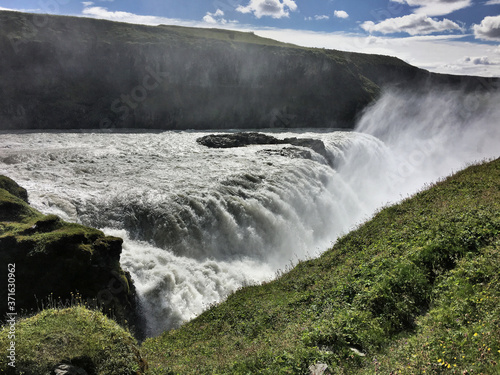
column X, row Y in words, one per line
column 414, row 290
column 13, row 202
column 76, row 336
column 56, row 261
column 12, row 187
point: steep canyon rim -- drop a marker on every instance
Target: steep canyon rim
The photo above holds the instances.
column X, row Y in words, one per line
column 199, row 223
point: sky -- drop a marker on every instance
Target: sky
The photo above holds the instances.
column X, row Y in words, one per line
column 445, row 36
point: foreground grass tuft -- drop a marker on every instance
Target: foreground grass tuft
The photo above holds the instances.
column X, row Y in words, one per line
column 415, row 290
column 77, row 336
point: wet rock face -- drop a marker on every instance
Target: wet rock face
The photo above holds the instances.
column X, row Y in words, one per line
column 237, row 140
column 315, row 144
column 248, row 138
column 54, row 263
column 290, row 152
column 83, row 73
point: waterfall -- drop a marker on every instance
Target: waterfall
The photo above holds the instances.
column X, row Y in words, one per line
column 199, row 223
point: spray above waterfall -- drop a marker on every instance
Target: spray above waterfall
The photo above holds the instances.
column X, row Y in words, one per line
column 431, row 135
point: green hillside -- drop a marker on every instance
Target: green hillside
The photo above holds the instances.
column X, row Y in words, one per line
column 59, row 72
column 415, row 290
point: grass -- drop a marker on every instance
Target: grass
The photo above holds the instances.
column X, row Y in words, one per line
column 14, row 206
column 414, row 290
column 28, row 230
column 77, row 336
column 108, row 31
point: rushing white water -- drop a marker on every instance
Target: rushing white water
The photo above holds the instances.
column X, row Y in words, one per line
column 199, row 223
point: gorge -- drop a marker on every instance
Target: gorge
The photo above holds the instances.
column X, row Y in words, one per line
column 130, row 129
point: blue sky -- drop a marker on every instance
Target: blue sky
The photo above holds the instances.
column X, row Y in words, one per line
column 450, row 36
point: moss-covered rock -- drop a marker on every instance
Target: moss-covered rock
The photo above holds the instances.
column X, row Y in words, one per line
column 77, row 338
column 59, row 263
column 12, row 187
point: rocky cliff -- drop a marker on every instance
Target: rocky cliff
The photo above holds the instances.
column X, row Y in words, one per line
column 68, row 73
column 51, row 263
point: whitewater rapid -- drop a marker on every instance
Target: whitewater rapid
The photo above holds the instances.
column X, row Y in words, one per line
column 199, row 223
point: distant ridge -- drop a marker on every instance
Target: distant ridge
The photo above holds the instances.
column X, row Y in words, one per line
column 59, row 72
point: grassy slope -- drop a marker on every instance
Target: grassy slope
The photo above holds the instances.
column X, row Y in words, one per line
column 15, row 26
column 415, row 289
column 90, row 30
column 77, row 336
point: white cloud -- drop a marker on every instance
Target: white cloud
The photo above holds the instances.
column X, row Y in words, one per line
column 341, row 14
column 271, row 8
column 317, row 18
column 492, row 2
column 484, row 60
column 413, row 24
column 104, row 13
column 436, row 53
column 436, row 7
column 209, row 19
column 216, row 18
column 21, row 10
column 87, row 3
column 489, row 29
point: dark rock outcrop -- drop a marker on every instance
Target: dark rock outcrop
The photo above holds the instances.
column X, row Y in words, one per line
column 314, row 144
column 251, row 138
column 53, row 263
column 237, row 140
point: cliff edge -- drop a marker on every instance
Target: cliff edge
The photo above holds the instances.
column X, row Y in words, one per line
column 52, row 263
